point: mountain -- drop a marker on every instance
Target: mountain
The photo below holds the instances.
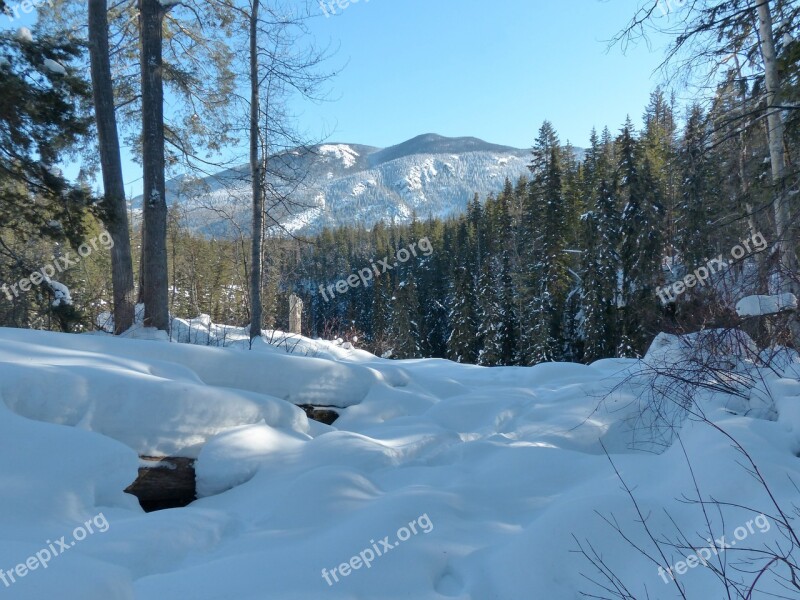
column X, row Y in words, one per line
column 429, row 175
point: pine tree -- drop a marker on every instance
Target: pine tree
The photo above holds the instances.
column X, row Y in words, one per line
column 405, row 334
column 499, row 327
column 464, row 341
column 462, row 320
column 699, row 185
column 545, row 276
column 641, row 244
column 41, row 120
column 599, row 273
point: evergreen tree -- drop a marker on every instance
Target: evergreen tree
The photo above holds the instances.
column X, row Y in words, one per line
column 699, row 184
column 499, row 322
column 641, row 244
column 405, row 311
column 545, row 273
column 462, row 344
column 464, row 341
column 42, row 119
column 599, row 274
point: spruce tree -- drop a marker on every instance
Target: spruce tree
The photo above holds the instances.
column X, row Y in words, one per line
column 641, row 244
column 599, row 274
column 464, row 340
column 699, row 184
column 545, row 272
column 499, row 323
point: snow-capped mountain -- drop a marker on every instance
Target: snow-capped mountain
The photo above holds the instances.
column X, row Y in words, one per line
column 340, row 184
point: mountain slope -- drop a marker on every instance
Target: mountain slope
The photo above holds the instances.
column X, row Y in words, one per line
column 429, row 175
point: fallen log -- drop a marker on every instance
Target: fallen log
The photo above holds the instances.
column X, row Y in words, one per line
column 323, row 414
column 169, row 481
column 164, row 482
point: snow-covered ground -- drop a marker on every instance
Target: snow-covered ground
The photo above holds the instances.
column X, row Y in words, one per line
column 484, row 482
column 753, row 306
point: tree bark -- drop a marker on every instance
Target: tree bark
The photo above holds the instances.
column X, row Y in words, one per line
column 115, row 212
column 775, row 134
column 154, row 244
column 257, row 182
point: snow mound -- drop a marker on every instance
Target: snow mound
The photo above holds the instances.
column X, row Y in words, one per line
column 507, row 465
column 758, row 306
column 155, row 404
column 720, row 345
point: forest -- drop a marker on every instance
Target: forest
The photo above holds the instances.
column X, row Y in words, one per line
column 566, row 264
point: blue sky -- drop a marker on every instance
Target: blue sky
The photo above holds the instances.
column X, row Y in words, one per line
column 493, row 70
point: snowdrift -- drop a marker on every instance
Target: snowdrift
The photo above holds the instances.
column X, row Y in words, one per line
column 507, row 464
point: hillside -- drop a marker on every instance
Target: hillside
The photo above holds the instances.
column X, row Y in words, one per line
column 429, row 175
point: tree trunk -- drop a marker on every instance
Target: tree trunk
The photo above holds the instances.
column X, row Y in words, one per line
column 115, row 212
column 256, row 175
column 154, row 243
column 775, row 131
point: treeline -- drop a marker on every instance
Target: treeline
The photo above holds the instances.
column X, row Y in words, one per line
column 565, row 265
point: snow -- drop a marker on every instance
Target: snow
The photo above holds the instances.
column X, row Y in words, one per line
column 341, row 152
column 61, row 293
column 24, row 34
column 508, row 464
column 418, row 175
column 757, row 306
column 54, row 67
column 427, row 179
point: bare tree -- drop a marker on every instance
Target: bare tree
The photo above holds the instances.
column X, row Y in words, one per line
column 256, row 176
column 281, row 65
column 154, row 285
column 776, row 138
column 723, row 361
column 115, row 212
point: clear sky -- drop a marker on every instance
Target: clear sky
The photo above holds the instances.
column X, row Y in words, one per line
column 490, row 69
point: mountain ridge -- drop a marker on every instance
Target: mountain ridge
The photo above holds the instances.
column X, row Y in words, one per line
column 429, row 175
